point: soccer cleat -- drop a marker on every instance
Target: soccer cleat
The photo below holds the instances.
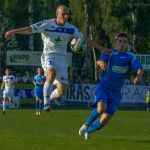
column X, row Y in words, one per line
column 4, row 112
column 36, row 113
column 87, row 136
column 47, row 108
column 82, row 130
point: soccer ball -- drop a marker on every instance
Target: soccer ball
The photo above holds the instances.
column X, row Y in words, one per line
column 78, row 45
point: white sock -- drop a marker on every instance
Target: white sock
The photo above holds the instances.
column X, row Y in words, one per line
column 47, row 91
column 54, row 94
column 4, row 106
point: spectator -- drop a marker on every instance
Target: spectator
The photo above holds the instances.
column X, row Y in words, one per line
column 25, row 78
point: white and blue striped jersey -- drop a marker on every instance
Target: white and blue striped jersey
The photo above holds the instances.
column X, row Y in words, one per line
column 55, row 37
column 9, row 81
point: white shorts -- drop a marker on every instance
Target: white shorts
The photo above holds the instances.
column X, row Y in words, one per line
column 59, row 62
column 8, row 93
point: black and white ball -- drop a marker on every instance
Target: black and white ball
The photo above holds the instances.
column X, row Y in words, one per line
column 78, row 45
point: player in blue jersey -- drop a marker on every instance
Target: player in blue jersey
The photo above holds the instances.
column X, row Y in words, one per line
column 56, row 34
column 116, row 65
column 38, row 81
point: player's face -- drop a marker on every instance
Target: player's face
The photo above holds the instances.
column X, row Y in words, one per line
column 122, row 43
column 39, row 71
column 7, row 72
column 62, row 15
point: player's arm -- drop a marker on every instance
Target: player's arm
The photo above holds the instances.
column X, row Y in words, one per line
column 98, row 46
column 138, row 78
column 3, row 85
column 25, row 30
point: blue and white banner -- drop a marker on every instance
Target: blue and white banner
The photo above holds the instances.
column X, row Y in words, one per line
column 86, row 93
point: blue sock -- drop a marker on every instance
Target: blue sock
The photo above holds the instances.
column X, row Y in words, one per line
column 36, row 104
column 94, row 114
column 40, row 103
column 96, row 125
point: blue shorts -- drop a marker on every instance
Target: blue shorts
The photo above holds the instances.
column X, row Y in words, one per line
column 110, row 97
column 38, row 94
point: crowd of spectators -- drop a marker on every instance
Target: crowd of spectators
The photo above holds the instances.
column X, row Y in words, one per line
column 25, row 76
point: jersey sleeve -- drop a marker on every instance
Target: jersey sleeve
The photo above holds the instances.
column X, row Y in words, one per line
column 39, row 27
column 104, row 57
column 135, row 64
column 33, row 80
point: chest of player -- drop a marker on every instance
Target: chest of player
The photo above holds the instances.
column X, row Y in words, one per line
column 119, row 63
column 39, row 79
column 8, row 79
column 58, row 35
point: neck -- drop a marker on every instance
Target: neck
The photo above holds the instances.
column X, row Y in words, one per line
column 59, row 22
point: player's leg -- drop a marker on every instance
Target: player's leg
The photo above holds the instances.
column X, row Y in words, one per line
column 148, row 106
column 4, row 104
column 48, row 64
column 50, row 77
column 61, row 80
column 99, row 108
column 112, row 107
column 40, row 104
column 36, row 105
column 100, row 121
column 59, row 91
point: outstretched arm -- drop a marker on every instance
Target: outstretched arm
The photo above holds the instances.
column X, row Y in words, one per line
column 97, row 46
column 25, row 30
column 138, row 78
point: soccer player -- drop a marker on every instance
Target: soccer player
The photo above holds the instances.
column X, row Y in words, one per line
column 117, row 64
column 38, row 81
column 148, row 100
column 8, row 88
column 56, row 34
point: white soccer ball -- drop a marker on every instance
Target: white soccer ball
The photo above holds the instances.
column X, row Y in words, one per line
column 78, row 45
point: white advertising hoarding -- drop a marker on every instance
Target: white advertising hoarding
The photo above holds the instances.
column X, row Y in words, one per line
column 24, row 58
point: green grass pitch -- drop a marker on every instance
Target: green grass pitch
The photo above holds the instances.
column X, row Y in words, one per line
column 58, row 130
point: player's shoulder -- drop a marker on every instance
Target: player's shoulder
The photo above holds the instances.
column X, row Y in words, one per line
column 4, row 77
column 130, row 54
column 114, row 51
column 35, row 76
column 69, row 25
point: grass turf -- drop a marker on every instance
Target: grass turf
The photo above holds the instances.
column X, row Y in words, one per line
column 58, row 130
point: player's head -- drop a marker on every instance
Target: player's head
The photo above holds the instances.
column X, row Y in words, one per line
column 122, row 41
column 39, row 70
column 62, row 14
column 7, row 71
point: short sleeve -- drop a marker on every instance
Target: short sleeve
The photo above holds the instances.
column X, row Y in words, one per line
column 39, row 27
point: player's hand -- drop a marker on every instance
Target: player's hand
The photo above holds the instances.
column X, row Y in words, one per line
column 102, row 65
column 137, row 80
column 9, row 34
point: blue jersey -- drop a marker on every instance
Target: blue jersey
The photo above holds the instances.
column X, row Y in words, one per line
column 119, row 64
column 38, row 79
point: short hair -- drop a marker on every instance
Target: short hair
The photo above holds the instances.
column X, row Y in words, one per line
column 122, row 34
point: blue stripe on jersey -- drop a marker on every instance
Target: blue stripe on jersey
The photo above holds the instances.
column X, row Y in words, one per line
column 62, row 30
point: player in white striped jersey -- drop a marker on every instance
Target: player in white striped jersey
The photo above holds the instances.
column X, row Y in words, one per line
column 56, row 34
column 8, row 88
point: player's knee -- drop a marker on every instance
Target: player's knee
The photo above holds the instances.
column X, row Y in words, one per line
column 105, row 118
column 101, row 107
column 50, row 75
column 61, row 91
